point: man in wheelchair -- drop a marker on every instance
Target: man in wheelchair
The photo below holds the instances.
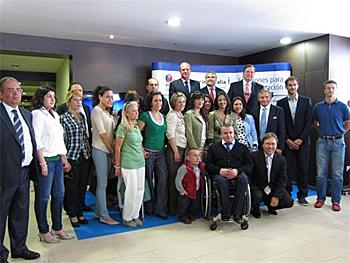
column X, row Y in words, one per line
column 228, row 162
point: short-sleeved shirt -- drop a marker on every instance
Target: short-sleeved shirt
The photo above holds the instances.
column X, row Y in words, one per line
column 331, row 117
column 102, row 122
column 132, row 151
column 154, row 135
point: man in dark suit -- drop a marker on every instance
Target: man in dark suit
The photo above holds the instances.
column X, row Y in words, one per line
column 211, row 89
column 153, row 86
column 298, row 118
column 17, row 153
column 247, row 89
column 185, row 85
column 269, row 178
column 269, row 118
column 229, row 162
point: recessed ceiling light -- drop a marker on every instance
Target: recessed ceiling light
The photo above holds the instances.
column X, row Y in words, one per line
column 174, row 22
column 285, row 40
column 111, row 36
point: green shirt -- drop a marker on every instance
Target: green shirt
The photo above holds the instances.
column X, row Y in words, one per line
column 154, row 133
column 131, row 151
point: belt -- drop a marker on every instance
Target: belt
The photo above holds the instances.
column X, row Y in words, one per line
column 331, row 138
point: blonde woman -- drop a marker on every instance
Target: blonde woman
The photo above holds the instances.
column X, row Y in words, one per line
column 130, row 163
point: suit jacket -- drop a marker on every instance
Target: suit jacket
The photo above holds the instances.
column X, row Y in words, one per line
column 238, row 158
column 236, row 90
column 275, row 124
column 178, row 85
column 278, row 174
column 301, row 127
column 11, row 151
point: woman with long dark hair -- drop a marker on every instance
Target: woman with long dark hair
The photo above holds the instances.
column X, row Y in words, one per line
column 53, row 161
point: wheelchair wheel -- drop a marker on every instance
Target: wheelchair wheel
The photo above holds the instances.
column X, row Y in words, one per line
column 213, row 226
column 206, row 198
column 244, row 225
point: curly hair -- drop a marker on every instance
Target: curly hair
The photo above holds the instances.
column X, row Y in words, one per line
column 148, row 105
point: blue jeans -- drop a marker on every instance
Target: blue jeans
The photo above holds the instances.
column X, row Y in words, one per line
column 103, row 163
column 51, row 184
column 327, row 151
column 156, row 166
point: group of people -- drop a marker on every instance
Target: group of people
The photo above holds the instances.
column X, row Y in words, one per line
column 160, row 153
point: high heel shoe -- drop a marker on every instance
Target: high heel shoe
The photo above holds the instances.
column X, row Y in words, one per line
column 51, row 240
column 61, row 235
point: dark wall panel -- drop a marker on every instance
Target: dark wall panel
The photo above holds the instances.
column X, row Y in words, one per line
column 118, row 66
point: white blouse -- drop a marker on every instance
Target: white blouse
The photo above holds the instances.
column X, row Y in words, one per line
column 176, row 128
column 48, row 133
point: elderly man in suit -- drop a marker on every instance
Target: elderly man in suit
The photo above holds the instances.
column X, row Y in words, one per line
column 211, row 89
column 185, row 85
column 246, row 88
column 17, row 153
column 269, row 118
column 269, row 178
column 298, row 118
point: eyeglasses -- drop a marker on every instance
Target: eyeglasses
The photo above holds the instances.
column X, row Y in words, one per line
column 12, row 90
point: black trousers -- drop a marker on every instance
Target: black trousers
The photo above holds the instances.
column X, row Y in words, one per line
column 188, row 207
column 75, row 183
column 297, row 168
column 259, row 195
column 14, row 205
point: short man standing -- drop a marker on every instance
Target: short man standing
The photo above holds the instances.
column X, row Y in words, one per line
column 269, row 118
column 185, row 85
column 298, row 118
column 17, row 153
column 211, row 89
column 246, row 88
column 332, row 118
column 269, row 178
column 229, row 162
column 153, row 86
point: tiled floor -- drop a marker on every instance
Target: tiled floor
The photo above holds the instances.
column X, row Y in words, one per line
column 299, row 234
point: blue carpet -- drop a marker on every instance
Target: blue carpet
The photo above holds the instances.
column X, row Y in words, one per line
column 96, row 229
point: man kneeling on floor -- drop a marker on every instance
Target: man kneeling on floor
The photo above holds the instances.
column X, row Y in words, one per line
column 269, row 178
column 228, row 163
column 187, row 182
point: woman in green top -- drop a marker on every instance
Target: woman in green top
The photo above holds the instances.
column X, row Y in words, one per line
column 220, row 117
column 130, row 163
column 154, row 125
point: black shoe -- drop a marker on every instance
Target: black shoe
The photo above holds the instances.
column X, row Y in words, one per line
column 238, row 219
column 74, row 224
column 302, row 201
column 186, row 220
column 225, row 218
column 273, row 212
column 87, row 208
column 256, row 213
column 27, row 254
column 192, row 218
column 163, row 217
column 83, row 221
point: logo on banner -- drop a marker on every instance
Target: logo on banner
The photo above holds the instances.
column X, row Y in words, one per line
column 169, row 78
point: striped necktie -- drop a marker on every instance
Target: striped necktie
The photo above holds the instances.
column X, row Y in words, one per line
column 19, row 130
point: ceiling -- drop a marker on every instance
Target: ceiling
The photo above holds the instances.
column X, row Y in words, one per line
column 224, row 27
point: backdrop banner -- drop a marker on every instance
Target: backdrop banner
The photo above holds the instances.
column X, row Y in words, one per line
column 271, row 76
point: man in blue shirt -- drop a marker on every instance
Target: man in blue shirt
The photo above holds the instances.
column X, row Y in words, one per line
column 332, row 118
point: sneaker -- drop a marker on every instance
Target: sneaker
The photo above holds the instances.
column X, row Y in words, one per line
column 130, row 223
column 108, row 221
column 302, row 201
column 138, row 221
column 335, row 207
column 319, row 203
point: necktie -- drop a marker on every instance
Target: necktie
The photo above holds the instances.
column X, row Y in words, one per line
column 268, row 166
column 212, row 95
column 19, row 130
column 187, row 86
column 246, row 92
column 263, row 123
column 227, row 146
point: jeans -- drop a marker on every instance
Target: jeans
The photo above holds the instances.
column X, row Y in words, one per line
column 103, row 163
column 156, row 166
column 334, row 152
column 51, row 184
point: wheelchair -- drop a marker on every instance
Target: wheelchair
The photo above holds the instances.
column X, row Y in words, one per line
column 211, row 205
